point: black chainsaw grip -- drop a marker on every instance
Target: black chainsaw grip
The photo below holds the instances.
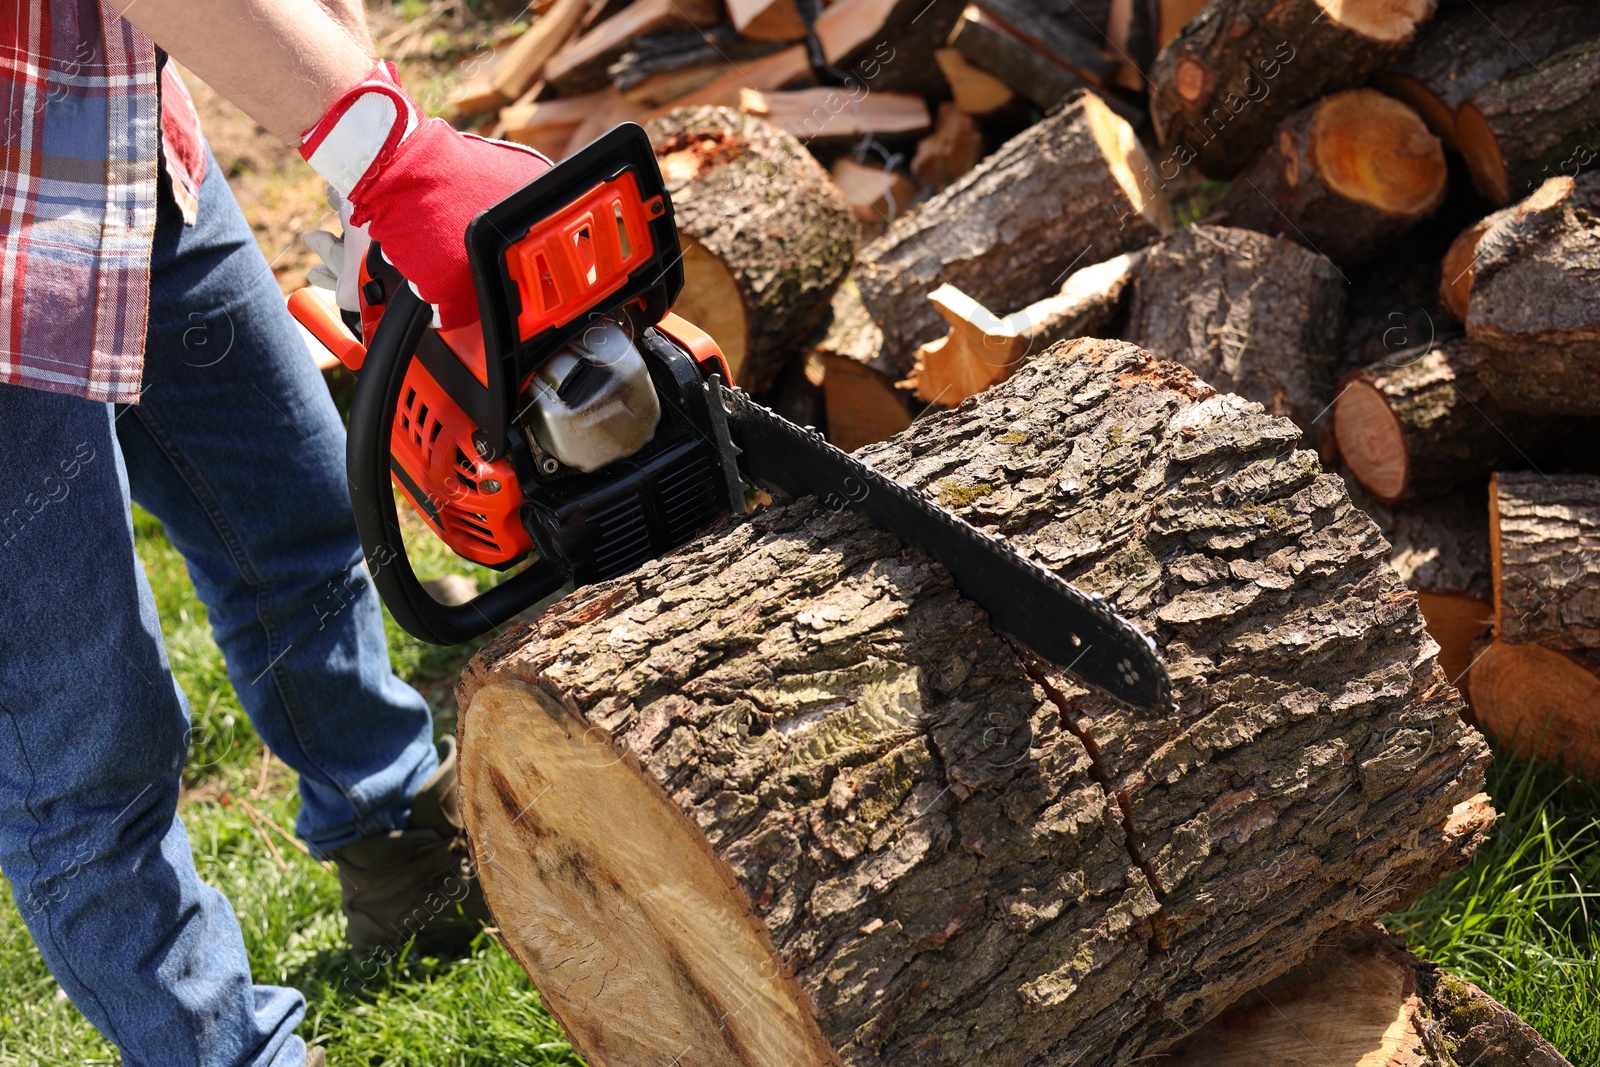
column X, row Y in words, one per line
column 377, row 394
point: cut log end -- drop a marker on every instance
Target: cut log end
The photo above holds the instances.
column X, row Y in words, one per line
column 1456, row 621
column 1374, row 150
column 1538, row 703
column 1371, row 441
column 612, row 921
column 1455, row 272
column 712, row 300
column 1127, row 160
column 1386, row 21
column 1483, row 155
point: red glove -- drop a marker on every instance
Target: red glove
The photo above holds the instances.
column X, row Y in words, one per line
column 416, row 183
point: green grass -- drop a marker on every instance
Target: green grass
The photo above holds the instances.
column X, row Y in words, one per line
column 1522, row 921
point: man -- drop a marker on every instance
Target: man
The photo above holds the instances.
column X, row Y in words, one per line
column 146, row 355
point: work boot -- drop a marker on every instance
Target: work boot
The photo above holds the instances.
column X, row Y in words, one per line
column 415, row 882
column 315, row 1057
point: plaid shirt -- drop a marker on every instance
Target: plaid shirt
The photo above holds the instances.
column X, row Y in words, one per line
column 79, row 147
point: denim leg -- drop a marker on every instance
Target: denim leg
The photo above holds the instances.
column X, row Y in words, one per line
column 93, row 732
column 237, row 448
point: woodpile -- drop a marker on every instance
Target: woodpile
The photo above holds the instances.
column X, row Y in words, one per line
column 1276, row 322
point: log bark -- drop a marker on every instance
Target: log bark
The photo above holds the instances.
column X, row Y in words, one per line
column 1346, row 177
column 1475, row 45
column 1366, row 1002
column 1219, row 90
column 1062, row 191
column 1544, row 535
column 783, row 797
column 661, row 68
column 1532, row 317
column 766, row 235
column 1421, row 424
column 988, row 44
column 1251, row 314
column 1533, row 124
column 1440, row 549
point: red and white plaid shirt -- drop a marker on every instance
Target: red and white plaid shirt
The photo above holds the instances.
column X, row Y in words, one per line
column 79, row 147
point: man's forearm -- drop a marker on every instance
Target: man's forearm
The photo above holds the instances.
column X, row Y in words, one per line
column 283, row 62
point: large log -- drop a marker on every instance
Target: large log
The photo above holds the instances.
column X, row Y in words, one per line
column 1006, row 234
column 1366, row 1002
column 1473, row 45
column 1256, row 315
column 1529, row 296
column 1421, row 423
column 1534, row 124
column 784, row 797
column 1346, row 176
column 1219, row 90
column 766, row 235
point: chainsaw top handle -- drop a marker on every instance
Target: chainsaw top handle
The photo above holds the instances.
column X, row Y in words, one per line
column 591, row 237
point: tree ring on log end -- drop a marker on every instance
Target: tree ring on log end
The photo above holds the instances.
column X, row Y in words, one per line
column 570, row 836
column 1374, row 150
column 1537, row 702
column 1371, row 441
column 1379, row 20
column 1193, row 80
column 1482, row 153
column 1127, row 161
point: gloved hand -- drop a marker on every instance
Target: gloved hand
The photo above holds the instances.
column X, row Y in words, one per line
column 415, row 183
column 338, row 251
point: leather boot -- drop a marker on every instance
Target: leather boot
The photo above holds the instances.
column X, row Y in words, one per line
column 415, row 882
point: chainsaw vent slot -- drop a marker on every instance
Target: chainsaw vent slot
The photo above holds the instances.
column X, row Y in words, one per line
column 624, row 540
column 585, row 248
column 688, row 498
column 416, row 424
column 470, row 525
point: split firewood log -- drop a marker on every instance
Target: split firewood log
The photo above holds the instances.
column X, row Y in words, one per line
column 1468, row 47
column 954, row 147
column 860, row 399
column 876, row 195
column 827, row 114
column 1440, row 549
column 975, row 91
column 1525, row 283
column 1421, row 423
column 1533, row 124
column 1251, row 314
column 884, row 45
column 664, row 68
column 767, row 20
column 1346, row 177
column 783, row 797
column 1031, row 53
column 982, row 348
column 766, row 235
column 1063, row 191
column 548, row 125
column 1366, row 1002
column 789, row 68
column 1538, row 683
column 581, row 65
column 1219, row 90
column 518, row 67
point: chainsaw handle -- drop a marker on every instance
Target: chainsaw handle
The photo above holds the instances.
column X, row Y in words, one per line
column 377, row 394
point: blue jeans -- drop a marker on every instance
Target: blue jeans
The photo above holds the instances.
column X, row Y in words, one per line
column 237, row 448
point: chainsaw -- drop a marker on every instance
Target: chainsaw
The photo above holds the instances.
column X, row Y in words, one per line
column 582, row 429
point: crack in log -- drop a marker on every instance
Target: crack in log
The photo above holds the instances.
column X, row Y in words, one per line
column 1097, row 771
